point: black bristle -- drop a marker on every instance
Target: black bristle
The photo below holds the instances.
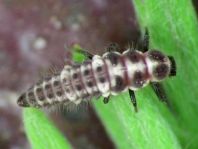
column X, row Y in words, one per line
column 173, row 66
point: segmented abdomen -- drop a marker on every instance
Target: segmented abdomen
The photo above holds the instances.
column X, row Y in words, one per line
column 110, row 74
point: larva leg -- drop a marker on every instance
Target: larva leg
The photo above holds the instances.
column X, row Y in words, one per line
column 113, row 47
column 133, row 100
column 106, row 99
column 144, row 43
column 160, row 92
column 84, row 52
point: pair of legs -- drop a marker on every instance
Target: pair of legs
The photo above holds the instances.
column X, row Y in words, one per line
column 143, row 46
column 156, row 86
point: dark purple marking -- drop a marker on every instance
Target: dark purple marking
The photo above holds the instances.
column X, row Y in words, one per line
column 133, row 56
column 49, row 91
column 113, row 57
column 79, row 87
column 58, row 88
column 89, row 83
column 50, row 95
column 99, row 69
column 86, row 72
column 102, row 79
column 75, row 75
column 120, row 84
column 67, row 90
column 138, row 79
column 161, row 71
column 32, row 99
column 89, row 80
column 59, row 93
column 56, row 83
column 40, row 94
column 156, row 56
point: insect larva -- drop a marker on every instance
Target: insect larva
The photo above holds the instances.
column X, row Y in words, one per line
column 105, row 75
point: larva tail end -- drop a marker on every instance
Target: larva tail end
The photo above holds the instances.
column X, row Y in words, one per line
column 22, row 102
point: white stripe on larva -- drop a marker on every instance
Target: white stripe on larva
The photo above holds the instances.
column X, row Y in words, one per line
column 62, row 84
column 150, row 64
column 133, row 67
column 66, row 74
column 44, row 92
column 98, row 62
column 110, row 70
column 36, row 97
column 72, row 72
column 85, row 79
column 56, row 98
column 63, row 97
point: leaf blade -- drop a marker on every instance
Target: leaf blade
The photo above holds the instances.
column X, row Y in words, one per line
column 41, row 132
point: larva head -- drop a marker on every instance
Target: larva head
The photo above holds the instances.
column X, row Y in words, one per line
column 159, row 65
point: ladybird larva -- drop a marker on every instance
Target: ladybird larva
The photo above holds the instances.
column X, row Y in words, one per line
column 105, row 75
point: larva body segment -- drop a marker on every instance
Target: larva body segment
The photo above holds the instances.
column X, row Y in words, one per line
column 104, row 75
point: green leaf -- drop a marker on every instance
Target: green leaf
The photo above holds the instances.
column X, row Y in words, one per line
column 173, row 28
column 148, row 128
column 41, row 132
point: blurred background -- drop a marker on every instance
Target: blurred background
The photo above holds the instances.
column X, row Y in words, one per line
column 32, row 38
